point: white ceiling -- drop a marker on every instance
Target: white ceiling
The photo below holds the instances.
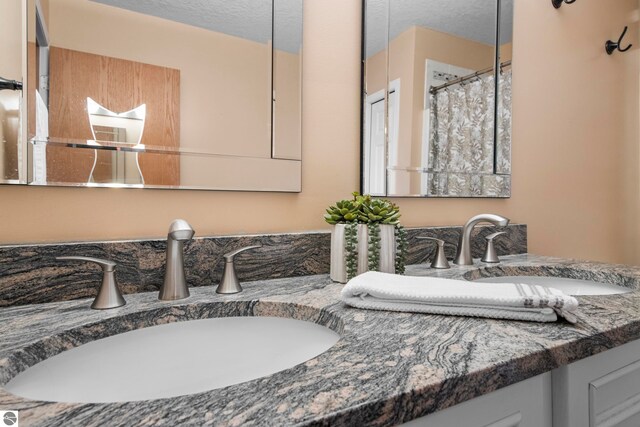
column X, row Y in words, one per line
column 249, row 19
column 470, row 19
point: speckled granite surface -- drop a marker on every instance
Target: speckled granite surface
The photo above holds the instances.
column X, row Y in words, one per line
column 29, row 274
column 387, row 367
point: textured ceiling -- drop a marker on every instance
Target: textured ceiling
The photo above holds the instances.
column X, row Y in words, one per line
column 470, row 19
column 249, row 19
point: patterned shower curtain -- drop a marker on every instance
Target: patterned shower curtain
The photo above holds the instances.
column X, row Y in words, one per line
column 461, row 148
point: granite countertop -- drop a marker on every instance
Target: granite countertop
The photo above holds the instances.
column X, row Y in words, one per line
column 386, row 368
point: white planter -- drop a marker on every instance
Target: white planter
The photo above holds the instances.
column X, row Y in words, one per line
column 338, row 251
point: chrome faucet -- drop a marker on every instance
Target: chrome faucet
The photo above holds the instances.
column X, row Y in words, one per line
column 463, row 254
column 175, row 283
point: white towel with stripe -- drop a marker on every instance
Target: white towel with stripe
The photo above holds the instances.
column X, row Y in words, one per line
column 382, row 291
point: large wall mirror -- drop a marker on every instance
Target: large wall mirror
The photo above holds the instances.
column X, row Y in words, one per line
column 436, row 118
column 162, row 94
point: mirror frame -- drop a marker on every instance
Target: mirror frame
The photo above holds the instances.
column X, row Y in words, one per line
column 363, row 96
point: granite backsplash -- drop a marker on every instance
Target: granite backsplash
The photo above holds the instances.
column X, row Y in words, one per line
column 29, row 274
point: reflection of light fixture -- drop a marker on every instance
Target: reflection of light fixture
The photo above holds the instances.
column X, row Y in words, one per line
column 124, row 128
column 137, row 113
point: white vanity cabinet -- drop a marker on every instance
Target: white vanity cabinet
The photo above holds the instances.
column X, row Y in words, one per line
column 599, row 391
column 524, row 404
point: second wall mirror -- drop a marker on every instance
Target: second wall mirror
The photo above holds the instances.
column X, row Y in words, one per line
column 436, row 103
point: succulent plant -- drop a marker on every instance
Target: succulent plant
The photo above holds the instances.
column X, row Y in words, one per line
column 343, row 212
column 363, row 209
column 381, row 211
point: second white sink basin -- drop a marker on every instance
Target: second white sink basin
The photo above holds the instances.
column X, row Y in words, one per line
column 174, row 359
column 568, row 286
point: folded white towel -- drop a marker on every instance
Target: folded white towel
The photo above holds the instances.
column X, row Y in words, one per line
column 382, row 291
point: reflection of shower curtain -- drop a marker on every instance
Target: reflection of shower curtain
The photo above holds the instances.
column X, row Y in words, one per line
column 461, row 142
column 503, row 165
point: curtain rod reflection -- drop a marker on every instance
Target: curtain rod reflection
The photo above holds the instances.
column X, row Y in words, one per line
column 435, row 89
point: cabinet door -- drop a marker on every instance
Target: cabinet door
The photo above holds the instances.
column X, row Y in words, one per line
column 614, row 399
column 524, row 404
column 601, row 390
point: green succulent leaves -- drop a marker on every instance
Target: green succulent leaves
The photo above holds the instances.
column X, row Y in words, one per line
column 342, row 212
column 363, row 210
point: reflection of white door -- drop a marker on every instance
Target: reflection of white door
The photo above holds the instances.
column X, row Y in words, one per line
column 393, row 140
column 375, row 154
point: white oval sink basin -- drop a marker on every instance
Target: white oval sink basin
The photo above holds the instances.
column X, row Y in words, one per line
column 568, row 286
column 174, row 359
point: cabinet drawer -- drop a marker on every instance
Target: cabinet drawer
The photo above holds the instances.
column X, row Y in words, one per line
column 524, row 404
column 601, row 390
column 614, row 399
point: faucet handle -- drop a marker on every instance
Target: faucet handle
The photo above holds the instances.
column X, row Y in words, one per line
column 106, row 264
column 439, row 260
column 109, row 295
column 228, row 257
column 490, row 255
column 230, row 283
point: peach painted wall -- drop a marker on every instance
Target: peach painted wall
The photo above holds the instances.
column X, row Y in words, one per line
column 575, row 156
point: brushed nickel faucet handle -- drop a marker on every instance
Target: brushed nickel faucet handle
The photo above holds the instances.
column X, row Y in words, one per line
column 490, row 255
column 109, row 295
column 439, row 260
column 230, row 283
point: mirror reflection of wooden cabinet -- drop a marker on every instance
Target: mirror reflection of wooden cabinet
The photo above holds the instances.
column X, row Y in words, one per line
column 118, row 85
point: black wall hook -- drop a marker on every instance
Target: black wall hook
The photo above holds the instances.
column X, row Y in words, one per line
column 611, row 46
column 558, row 3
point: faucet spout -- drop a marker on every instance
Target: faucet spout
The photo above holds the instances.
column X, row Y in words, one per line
column 180, row 230
column 175, row 283
column 463, row 253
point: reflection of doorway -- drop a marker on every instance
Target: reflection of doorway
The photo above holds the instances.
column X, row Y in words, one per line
column 374, row 146
column 39, row 97
column 42, row 56
column 377, row 155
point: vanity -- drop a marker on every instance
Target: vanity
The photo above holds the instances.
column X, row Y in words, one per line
column 153, row 107
column 384, row 369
